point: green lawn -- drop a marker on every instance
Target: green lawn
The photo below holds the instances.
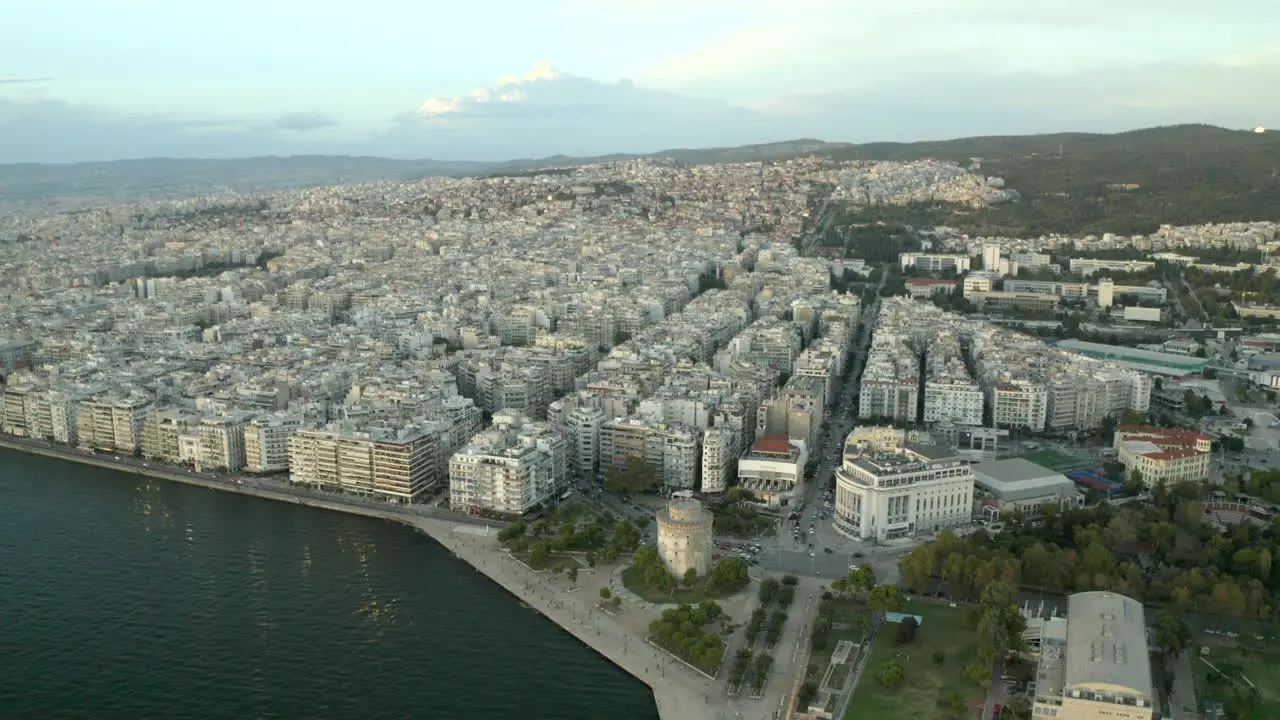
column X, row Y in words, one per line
column 633, row 579
column 1263, row 670
column 917, row 698
column 552, row 560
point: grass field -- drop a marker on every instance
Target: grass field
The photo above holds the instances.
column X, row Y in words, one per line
column 1056, row 460
column 1263, row 670
column 917, row 698
column 633, row 579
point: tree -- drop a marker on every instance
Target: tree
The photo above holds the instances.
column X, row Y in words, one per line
column 1134, row 485
column 539, row 554
column 625, row 535
column 892, row 674
column 604, row 593
column 634, row 476
column 886, row 598
column 728, row 575
column 690, row 577
column 907, row 630
column 918, row 567
column 572, row 573
column 1172, row 633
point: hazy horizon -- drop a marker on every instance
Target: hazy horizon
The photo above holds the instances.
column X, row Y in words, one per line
column 502, row 80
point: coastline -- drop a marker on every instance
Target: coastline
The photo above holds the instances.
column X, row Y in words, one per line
column 674, row 688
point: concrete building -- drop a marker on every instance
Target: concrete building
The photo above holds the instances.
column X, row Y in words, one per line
column 111, row 424
column 773, row 469
column 720, row 447
column 1093, row 664
column 1004, row 486
column 511, row 468
column 396, row 464
column 684, row 535
column 1163, row 455
column 917, row 489
column 934, row 262
column 266, row 443
column 222, row 443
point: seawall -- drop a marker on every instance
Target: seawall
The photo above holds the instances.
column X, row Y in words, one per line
column 675, row 690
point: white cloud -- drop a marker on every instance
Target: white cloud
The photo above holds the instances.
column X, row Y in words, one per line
column 506, row 90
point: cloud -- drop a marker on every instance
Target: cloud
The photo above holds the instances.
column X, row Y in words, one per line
column 44, row 130
column 304, row 121
column 508, row 89
column 11, row 80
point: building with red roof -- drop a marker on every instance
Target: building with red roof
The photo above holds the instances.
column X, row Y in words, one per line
column 1167, row 455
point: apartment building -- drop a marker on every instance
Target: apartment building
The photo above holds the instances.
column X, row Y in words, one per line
column 222, row 442
column 1019, row 404
column 890, row 386
column 797, row 411
column 396, row 464
column 903, row 492
column 1163, row 455
column 773, row 469
column 949, row 393
column 111, row 424
column 162, row 431
column 720, row 448
column 511, row 468
column 13, row 414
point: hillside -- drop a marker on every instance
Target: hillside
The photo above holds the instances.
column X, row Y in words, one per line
column 1076, row 182
column 1071, row 182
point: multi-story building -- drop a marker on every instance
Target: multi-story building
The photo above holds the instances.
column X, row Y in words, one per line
column 890, row 386
column 1163, row 455
column 773, row 469
column 949, row 393
column 162, row 431
column 1018, row 404
column 934, row 262
column 1093, row 664
column 511, row 468
column 111, row 424
column 222, row 442
column 681, row 458
column 904, row 492
column 389, row 463
column 266, row 442
column 720, row 447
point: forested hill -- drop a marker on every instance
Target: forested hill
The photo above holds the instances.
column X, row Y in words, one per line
column 1125, row 183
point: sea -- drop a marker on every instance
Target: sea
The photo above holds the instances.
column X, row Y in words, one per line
column 128, row 597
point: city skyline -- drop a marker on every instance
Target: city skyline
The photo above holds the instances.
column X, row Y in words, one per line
column 501, row 80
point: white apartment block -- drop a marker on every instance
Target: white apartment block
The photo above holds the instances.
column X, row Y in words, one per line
column 1019, row 404
column 583, row 436
column 930, row 262
column 949, row 393
column 162, row 431
column 393, row 464
column 266, row 443
column 720, row 446
column 511, row 468
column 222, row 443
column 1089, row 266
column 917, row 489
column 681, row 459
column 112, row 425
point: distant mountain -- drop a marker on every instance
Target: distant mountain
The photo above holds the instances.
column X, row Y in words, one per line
column 1123, row 182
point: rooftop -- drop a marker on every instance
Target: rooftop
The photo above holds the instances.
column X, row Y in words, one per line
column 1107, row 644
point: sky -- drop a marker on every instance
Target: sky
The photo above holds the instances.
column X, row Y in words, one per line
column 87, row 80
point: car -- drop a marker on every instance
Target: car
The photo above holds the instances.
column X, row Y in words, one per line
column 827, row 550
column 812, row 553
column 858, row 555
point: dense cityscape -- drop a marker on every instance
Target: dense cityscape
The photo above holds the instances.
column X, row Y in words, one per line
column 694, row 368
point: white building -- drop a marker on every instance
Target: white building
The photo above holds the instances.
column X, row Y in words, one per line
column 917, row 489
column 773, row 469
column 510, row 468
column 934, row 262
column 1019, row 484
column 719, row 448
column 266, row 443
column 394, row 464
column 222, row 443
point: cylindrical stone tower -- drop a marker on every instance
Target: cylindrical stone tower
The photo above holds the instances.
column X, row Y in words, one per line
column 684, row 535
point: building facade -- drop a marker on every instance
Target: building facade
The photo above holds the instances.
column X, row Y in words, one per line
column 890, row 494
